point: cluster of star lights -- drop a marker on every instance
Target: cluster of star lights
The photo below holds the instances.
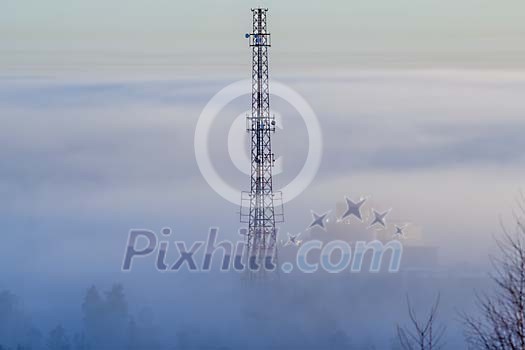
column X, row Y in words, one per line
column 353, row 209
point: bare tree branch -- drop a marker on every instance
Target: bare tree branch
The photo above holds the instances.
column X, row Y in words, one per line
column 422, row 335
column 500, row 324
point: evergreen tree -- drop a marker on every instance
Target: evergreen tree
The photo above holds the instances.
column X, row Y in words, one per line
column 80, row 342
column 57, row 339
column 16, row 329
column 106, row 319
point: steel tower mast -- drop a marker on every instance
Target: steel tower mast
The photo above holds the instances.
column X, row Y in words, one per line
column 263, row 201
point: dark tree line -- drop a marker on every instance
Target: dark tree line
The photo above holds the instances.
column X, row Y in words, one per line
column 107, row 325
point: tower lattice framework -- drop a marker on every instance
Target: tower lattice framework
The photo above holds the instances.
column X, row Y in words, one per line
column 265, row 205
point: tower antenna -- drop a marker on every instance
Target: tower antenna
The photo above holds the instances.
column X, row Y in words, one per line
column 265, row 205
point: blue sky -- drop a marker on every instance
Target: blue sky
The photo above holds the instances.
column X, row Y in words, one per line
column 136, row 35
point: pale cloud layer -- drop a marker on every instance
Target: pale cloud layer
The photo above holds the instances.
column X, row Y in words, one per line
column 442, row 149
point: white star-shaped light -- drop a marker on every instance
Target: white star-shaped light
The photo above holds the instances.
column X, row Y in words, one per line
column 379, row 218
column 293, row 240
column 318, row 220
column 353, row 208
column 400, row 231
